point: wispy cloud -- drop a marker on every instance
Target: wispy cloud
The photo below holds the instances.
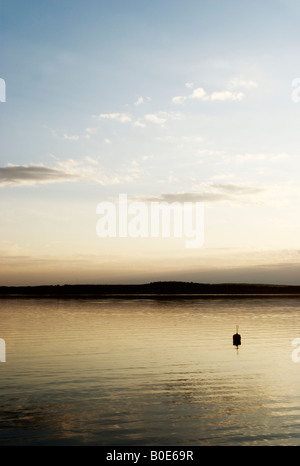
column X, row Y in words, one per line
column 227, row 95
column 28, row 175
column 185, row 197
column 155, row 118
column 242, row 189
column 87, row 170
column 161, row 118
column 141, row 101
column 89, row 132
column 121, row 117
column 72, row 137
column 198, row 94
column 214, row 192
column 233, row 92
column 139, row 124
column 140, row 121
column 179, row 99
column 126, row 118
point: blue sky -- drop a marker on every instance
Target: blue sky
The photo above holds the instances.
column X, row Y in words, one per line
column 163, row 99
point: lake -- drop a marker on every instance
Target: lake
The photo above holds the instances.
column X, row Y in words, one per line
column 149, row 372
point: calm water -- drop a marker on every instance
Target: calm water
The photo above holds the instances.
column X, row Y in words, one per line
column 147, row 372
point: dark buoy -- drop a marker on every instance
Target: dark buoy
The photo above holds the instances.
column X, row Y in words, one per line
column 237, row 338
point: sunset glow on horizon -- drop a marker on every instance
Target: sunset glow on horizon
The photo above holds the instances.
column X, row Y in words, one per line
column 165, row 101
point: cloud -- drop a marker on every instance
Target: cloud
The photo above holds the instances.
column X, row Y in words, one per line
column 185, row 197
column 139, row 124
column 86, row 170
column 209, row 193
column 121, row 117
column 227, row 95
column 179, row 99
column 125, row 118
column 89, row 169
column 71, row 137
column 200, row 94
column 158, row 118
column 29, row 175
column 90, row 132
column 154, row 118
column 237, row 189
column 141, row 101
column 161, row 118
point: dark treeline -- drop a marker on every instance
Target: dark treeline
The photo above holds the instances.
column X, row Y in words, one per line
column 160, row 289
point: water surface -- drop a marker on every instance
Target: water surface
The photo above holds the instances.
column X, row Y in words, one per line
column 149, row 372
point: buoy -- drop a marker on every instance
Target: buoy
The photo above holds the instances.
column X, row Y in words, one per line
column 237, row 337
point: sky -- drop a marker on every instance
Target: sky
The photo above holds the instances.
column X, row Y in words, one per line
column 162, row 101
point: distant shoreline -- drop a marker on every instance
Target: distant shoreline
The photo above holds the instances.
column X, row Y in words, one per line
column 154, row 290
